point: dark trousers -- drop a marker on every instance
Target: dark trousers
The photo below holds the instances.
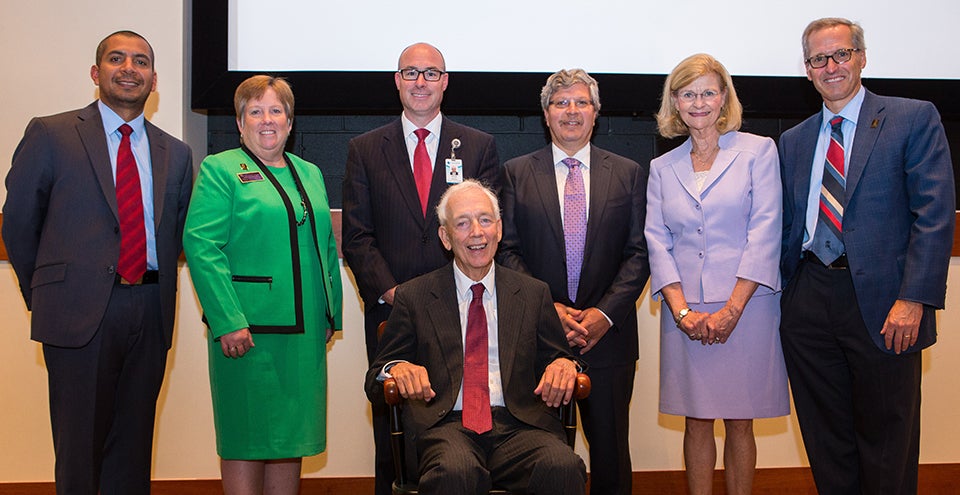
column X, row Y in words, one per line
column 513, row 455
column 103, row 398
column 858, row 407
column 605, row 417
column 383, row 456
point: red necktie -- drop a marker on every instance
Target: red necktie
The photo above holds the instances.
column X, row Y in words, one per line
column 828, row 237
column 133, row 235
column 476, row 386
column 422, row 171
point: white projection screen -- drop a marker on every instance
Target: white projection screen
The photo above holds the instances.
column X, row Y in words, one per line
column 340, row 55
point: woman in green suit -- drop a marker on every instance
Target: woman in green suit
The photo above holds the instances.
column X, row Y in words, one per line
column 263, row 260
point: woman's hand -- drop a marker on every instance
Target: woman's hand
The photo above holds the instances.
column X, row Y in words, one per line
column 235, row 344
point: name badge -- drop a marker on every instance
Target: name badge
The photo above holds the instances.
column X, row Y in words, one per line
column 454, row 170
column 246, row 177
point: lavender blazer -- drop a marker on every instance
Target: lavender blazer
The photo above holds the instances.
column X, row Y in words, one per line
column 706, row 240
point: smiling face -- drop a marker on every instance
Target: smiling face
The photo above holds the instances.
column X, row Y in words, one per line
column 421, row 98
column 702, row 111
column 571, row 127
column 264, row 127
column 125, row 75
column 472, row 231
column 836, row 83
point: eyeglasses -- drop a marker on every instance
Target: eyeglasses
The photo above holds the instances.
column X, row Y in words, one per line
column 690, row 96
column 566, row 103
column 840, row 56
column 412, row 74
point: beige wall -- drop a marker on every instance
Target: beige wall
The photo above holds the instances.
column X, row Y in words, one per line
column 47, row 49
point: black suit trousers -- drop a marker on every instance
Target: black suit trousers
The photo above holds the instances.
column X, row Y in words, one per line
column 858, row 407
column 103, row 398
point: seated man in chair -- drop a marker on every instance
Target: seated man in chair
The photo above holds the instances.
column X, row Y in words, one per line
column 478, row 352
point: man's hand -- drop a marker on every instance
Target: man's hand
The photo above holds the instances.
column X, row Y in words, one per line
column 413, row 381
column 570, row 319
column 556, row 384
column 903, row 321
column 596, row 325
column 388, row 295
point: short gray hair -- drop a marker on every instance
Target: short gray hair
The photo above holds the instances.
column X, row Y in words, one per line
column 464, row 186
column 856, row 32
column 566, row 78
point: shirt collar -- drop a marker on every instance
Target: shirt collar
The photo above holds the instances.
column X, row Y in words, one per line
column 849, row 112
column 433, row 126
column 464, row 283
column 112, row 121
column 583, row 155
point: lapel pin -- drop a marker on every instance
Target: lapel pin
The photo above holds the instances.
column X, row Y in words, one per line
column 875, row 123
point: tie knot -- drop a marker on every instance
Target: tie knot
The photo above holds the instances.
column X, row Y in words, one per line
column 571, row 162
column 477, row 291
column 421, row 133
column 836, row 121
column 125, row 130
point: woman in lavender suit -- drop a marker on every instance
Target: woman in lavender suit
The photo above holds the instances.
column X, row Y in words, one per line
column 713, row 234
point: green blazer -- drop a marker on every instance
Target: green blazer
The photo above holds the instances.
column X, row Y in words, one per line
column 240, row 249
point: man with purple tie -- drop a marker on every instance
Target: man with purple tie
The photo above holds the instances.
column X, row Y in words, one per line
column 573, row 217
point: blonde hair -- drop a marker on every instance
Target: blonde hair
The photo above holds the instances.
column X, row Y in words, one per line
column 669, row 122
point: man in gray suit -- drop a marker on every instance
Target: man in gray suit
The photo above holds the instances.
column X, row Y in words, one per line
column 389, row 224
column 868, row 212
column 98, row 268
column 508, row 319
column 573, row 217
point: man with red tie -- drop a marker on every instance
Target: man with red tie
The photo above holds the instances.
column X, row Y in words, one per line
column 471, row 346
column 868, row 222
column 96, row 201
column 394, row 177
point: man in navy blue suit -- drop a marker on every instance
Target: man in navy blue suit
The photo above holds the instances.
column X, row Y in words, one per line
column 868, row 227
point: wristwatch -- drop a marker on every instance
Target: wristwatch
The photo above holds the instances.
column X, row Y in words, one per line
column 681, row 314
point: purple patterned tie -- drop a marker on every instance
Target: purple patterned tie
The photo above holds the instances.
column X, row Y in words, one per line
column 574, row 224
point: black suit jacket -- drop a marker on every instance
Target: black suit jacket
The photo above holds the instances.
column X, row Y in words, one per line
column 615, row 267
column 61, row 228
column 424, row 329
column 386, row 239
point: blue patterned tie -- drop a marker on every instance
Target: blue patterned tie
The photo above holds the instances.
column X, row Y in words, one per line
column 828, row 239
column 574, row 224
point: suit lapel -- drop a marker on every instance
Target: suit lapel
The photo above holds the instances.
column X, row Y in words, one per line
column 94, row 142
column 683, row 170
column 445, row 322
column 721, row 163
column 601, row 171
column 866, row 137
column 545, row 181
column 159, row 161
column 806, row 146
column 510, row 310
column 395, row 157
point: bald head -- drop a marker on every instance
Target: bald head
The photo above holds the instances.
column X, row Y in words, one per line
column 419, row 51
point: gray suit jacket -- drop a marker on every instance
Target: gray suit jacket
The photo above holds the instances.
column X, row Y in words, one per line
column 899, row 208
column 615, row 267
column 424, row 329
column 61, row 228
